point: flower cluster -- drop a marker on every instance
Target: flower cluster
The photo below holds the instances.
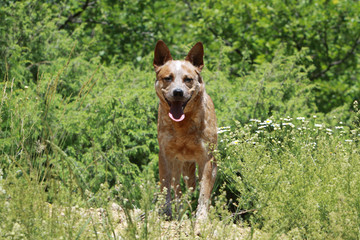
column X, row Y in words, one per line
column 289, row 127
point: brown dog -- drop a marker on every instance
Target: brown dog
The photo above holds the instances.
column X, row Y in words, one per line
column 187, row 129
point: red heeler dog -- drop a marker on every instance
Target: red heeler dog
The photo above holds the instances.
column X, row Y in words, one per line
column 187, row 131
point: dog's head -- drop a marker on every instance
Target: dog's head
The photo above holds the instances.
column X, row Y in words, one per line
column 178, row 82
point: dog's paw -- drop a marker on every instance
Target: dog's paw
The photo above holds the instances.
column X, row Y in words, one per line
column 166, row 212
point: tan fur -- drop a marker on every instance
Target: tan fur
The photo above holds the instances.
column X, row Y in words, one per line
column 190, row 141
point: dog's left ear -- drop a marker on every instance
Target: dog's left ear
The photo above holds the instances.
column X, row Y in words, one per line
column 196, row 55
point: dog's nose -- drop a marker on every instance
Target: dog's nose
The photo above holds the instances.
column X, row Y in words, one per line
column 178, row 92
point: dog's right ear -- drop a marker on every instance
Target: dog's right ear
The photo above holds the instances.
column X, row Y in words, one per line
column 161, row 54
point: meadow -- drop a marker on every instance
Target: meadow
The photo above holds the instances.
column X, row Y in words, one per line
column 78, row 115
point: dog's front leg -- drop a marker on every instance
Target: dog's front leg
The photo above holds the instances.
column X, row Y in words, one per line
column 165, row 182
column 207, row 174
column 176, row 167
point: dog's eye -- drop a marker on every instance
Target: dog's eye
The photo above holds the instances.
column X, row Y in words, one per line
column 187, row 79
column 167, row 79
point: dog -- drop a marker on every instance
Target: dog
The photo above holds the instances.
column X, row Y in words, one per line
column 187, row 131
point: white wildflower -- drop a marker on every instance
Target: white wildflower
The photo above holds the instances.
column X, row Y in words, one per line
column 268, row 121
column 223, row 129
column 288, row 124
column 339, row 127
column 348, row 140
column 300, row 118
column 329, row 130
column 234, row 142
column 318, row 125
column 255, row 120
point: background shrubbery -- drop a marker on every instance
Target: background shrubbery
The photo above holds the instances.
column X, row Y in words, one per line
column 79, row 111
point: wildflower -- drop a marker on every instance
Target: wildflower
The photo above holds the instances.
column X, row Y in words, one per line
column 348, row 140
column 300, row 118
column 234, row 142
column 26, row 87
column 223, row 129
column 329, row 130
column 261, row 127
column 318, row 125
column 314, row 116
column 288, row 124
column 255, row 120
column 339, row 127
column 268, row 121
column 276, row 126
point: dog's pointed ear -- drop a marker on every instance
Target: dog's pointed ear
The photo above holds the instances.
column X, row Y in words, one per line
column 196, row 55
column 161, row 54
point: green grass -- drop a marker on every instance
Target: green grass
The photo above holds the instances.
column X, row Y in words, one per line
column 290, row 178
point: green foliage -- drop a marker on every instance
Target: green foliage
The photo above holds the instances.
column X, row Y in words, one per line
column 78, row 115
column 276, row 88
column 35, row 33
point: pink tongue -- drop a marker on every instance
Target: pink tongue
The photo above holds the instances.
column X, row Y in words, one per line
column 176, row 112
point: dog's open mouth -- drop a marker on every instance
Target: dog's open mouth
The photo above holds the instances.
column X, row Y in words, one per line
column 177, row 110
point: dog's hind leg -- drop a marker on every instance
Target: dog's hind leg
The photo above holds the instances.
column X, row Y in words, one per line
column 207, row 173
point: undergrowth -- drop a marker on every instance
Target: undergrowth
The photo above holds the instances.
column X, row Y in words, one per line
column 79, row 158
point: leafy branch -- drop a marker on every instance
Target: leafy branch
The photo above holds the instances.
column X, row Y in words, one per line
column 338, row 62
column 72, row 17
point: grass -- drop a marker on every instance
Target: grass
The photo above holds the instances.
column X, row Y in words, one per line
column 292, row 178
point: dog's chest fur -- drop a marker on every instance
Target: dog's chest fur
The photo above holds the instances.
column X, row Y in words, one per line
column 186, row 140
